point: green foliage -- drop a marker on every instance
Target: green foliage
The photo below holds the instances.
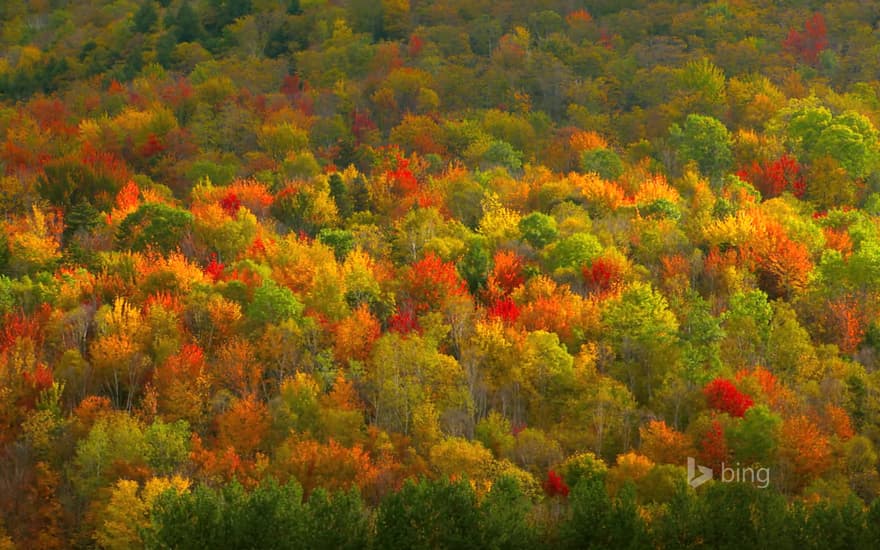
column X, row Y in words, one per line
column 154, row 225
column 706, row 141
column 575, row 251
column 273, row 304
column 340, row 240
column 643, row 333
column 167, row 445
column 440, row 514
column 538, row 229
column 604, row 162
column 598, row 521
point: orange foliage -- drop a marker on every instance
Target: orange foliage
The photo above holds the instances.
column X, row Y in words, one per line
column 783, row 266
column 804, row 451
column 328, row 465
column 837, row 422
column 675, row 272
column 221, row 465
column 663, row 444
column 587, row 140
column 847, row 321
column 608, row 195
column 244, row 426
column 236, row 367
column 547, row 306
column 655, row 188
column 838, row 239
column 354, row 335
column 430, row 280
column 506, row 275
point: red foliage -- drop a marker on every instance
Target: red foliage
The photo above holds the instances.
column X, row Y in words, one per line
column 214, row 269
column 402, row 179
column 554, row 485
column 404, row 321
column 361, row 124
column 178, row 92
column 20, row 325
column 230, row 204
column 104, row 163
column 52, row 115
column 152, row 147
column 722, row 395
column 605, row 39
column 504, row 309
column 603, row 275
column 713, row 446
column 40, row 379
column 771, row 179
column 415, row 45
column 807, row 45
column 296, row 91
column 430, row 280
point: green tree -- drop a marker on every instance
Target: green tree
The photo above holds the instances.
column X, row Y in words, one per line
column 429, row 514
column 504, row 517
column 145, row 18
column 643, row 333
column 154, row 225
column 273, row 304
column 604, row 162
column 538, row 229
column 706, row 141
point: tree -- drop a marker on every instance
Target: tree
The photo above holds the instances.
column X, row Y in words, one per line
column 603, row 162
column 663, row 444
column 643, row 333
column 504, row 517
column 723, row 396
column 706, row 141
column 273, row 304
column 597, row 521
column 573, row 252
column 538, row 229
column 428, row 514
column 145, row 17
column 154, row 225
column 807, row 45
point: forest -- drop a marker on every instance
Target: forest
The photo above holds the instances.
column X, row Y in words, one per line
column 430, row 274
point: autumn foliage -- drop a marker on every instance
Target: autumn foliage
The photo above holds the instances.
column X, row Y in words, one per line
column 723, row 396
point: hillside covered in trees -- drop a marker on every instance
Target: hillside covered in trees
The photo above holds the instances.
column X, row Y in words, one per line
column 439, row 273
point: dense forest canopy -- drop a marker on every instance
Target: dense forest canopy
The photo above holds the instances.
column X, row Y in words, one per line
column 439, row 274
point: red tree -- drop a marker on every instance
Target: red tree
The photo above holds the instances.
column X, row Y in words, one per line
column 772, row 178
column 430, row 280
column 807, row 45
column 554, row 485
column 723, row 396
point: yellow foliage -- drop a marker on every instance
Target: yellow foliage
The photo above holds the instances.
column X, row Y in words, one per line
column 127, row 512
column 630, row 467
column 33, row 242
column 737, row 230
column 655, row 188
column 499, row 224
column 459, row 457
